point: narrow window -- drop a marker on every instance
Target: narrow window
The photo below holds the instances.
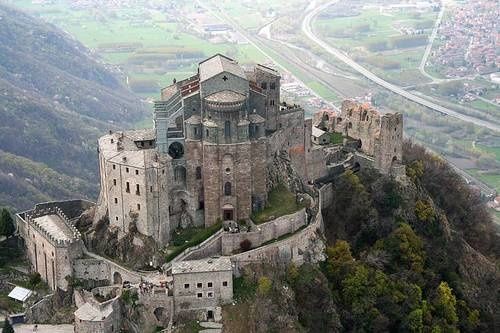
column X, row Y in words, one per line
column 186, row 285
column 114, row 182
column 137, row 191
column 112, row 141
column 138, row 206
column 272, row 85
column 210, row 294
column 224, row 283
column 126, row 170
column 151, row 189
column 227, row 188
column 136, row 172
column 200, row 295
column 114, row 167
column 127, row 188
column 196, row 131
column 116, row 218
column 198, row 172
column 271, row 102
column 206, row 133
column 227, row 129
column 210, row 284
column 116, row 200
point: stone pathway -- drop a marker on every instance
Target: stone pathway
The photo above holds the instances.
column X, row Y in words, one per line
column 209, row 324
column 28, row 328
column 210, row 327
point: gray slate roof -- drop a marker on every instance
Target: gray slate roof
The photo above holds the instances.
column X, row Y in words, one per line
column 204, row 265
column 218, row 64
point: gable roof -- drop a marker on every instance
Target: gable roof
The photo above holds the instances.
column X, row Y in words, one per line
column 20, row 294
column 217, row 64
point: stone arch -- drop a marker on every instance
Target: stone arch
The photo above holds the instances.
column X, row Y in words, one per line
column 160, row 314
column 176, row 150
column 117, row 278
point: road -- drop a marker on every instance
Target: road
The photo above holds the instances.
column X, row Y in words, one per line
column 308, row 31
column 428, row 49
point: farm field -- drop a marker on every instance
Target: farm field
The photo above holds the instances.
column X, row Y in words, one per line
column 144, row 41
column 377, row 41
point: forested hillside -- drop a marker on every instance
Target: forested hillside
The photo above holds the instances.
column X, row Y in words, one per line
column 55, row 101
column 417, row 256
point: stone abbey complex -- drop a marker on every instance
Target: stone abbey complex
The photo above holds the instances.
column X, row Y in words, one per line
column 222, row 141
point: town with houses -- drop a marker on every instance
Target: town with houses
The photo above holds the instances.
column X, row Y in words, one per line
column 223, row 138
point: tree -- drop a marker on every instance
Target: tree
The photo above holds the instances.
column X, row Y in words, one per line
column 245, row 245
column 445, row 303
column 7, row 327
column 7, row 227
column 35, row 280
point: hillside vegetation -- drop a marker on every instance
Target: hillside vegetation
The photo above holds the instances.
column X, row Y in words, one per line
column 55, row 101
column 417, row 256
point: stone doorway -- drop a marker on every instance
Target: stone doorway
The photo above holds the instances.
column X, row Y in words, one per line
column 210, row 315
column 228, row 214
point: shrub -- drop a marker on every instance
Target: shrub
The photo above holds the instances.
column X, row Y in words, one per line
column 264, row 285
column 245, row 245
column 34, row 280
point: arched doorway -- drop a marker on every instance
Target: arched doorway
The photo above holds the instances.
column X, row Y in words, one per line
column 117, row 278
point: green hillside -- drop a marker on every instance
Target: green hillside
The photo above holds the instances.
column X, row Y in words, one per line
column 55, row 101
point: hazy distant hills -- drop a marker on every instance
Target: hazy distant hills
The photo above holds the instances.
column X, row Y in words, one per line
column 55, row 101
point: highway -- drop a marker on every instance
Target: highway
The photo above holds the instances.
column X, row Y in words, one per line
column 308, row 31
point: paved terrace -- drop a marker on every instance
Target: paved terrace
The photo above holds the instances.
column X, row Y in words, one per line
column 54, row 225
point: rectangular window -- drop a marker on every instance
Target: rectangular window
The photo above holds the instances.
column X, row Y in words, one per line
column 224, row 283
column 137, row 191
column 114, row 167
column 112, row 141
column 200, row 295
column 151, row 189
column 195, row 131
column 186, row 285
column 210, row 284
column 116, row 200
column 271, row 102
column 126, row 170
column 272, row 85
column 116, row 218
column 114, row 182
column 136, row 172
column 138, row 207
column 210, row 294
column 127, row 188
column 199, row 285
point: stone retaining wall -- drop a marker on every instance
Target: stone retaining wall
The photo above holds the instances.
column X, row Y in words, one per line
column 266, row 232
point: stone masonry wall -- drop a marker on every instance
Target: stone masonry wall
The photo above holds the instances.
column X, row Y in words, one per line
column 267, row 231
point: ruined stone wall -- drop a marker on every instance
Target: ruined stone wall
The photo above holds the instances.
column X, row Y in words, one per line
column 389, row 146
column 380, row 135
column 360, row 121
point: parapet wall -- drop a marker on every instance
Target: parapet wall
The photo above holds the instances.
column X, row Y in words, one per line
column 266, row 232
column 303, row 246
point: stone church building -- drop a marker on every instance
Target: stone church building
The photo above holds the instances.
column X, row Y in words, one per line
column 206, row 159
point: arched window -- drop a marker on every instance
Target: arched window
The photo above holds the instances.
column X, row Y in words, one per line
column 227, row 188
column 227, row 129
column 198, row 172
